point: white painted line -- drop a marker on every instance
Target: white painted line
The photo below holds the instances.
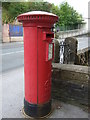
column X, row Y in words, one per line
column 12, row 53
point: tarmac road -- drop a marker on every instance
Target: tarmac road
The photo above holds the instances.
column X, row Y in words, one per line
column 12, row 56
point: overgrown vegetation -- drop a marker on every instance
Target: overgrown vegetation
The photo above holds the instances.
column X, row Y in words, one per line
column 67, row 15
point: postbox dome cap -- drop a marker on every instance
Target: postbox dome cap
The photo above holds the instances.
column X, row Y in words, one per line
column 41, row 16
column 38, row 13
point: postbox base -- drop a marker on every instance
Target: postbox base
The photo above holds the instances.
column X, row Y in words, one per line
column 37, row 111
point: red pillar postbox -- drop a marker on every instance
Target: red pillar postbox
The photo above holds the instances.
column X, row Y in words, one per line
column 38, row 55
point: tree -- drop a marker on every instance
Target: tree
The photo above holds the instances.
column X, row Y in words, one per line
column 67, row 15
column 12, row 9
column 56, row 10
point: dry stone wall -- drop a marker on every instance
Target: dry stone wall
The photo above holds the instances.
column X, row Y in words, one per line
column 70, row 83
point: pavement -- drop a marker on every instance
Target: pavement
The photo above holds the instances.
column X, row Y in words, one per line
column 13, row 96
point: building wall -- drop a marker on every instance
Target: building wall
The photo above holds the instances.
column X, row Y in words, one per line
column 5, row 29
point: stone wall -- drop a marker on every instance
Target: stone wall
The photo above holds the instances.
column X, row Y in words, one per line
column 70, row 33
column 16, row 39
column 66, row 52
column 56, row 51
column 70, row 83
column 70, row 50
column 84, row 56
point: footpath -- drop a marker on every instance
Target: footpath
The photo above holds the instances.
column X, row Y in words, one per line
column 13, row 96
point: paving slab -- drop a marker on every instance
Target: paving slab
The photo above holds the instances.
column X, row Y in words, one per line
column 13, row 96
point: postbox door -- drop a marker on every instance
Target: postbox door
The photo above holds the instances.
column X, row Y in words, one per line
column 45, row 56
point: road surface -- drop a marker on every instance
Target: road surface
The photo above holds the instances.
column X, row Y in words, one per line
column 13, row 53
column 83, row 42
column 12, row 56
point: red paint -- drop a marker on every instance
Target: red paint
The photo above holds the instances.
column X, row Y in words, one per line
column 37, row 67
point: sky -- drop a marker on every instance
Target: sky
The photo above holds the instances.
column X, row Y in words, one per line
column 81, row 6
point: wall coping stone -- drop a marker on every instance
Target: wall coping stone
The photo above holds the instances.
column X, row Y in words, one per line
column 73, row 68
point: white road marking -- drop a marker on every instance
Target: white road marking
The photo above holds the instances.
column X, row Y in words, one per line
column 12, row 53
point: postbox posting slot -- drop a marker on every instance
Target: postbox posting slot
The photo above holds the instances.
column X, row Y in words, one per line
column 49, row 51
column 48, row 35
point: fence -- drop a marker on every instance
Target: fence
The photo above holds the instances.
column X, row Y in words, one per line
column 12, row 32
column 15, row 30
